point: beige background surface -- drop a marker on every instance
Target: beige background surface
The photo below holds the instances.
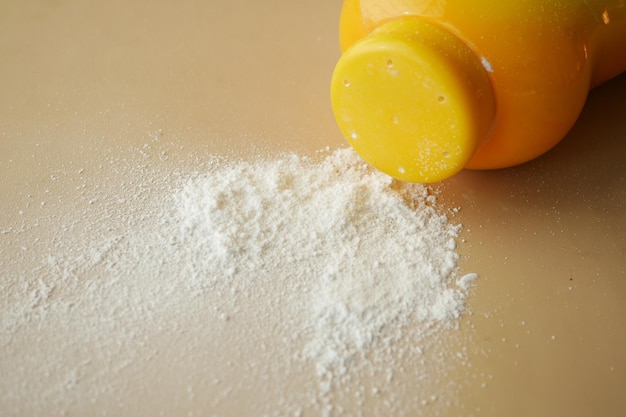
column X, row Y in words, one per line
column 81, row 80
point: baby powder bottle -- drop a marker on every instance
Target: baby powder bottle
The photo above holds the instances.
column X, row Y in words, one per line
column 425, row 88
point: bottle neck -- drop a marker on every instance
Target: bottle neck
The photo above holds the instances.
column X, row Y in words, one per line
column 608, row 42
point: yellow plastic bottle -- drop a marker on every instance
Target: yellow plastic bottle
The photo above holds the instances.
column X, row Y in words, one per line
column 425, row 88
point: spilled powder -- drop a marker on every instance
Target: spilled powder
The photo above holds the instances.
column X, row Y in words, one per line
column 288, row 286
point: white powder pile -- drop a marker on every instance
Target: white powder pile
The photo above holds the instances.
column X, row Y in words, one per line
column 311, row 283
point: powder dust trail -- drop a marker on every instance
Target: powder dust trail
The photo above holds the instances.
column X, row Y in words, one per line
column 305, row 285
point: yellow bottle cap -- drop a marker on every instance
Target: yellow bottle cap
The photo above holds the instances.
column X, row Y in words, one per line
column 413, row 100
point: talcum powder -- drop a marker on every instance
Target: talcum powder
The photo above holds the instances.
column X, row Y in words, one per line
column 312, row 278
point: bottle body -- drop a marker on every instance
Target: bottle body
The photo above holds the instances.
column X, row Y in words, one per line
column 540, row 57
